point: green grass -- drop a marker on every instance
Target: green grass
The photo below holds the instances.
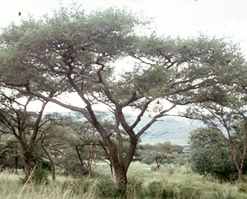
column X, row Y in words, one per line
column 168, row 182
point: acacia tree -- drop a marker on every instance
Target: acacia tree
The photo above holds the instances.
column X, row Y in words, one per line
column 228, row 116
column 222, row 104
column 79, row 53
column 25, row 126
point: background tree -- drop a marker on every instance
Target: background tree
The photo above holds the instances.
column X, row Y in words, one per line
column 72, row 145
column 210, row 154
column 228, row 115
column 25, row 126
column 160, row 154
column 79, row 53
column 10, row 157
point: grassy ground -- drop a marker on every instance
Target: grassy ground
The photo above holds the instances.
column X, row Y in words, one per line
column 169, row 182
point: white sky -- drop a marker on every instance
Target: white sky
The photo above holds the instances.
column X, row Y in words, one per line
column 184, row 18
column 221, row 18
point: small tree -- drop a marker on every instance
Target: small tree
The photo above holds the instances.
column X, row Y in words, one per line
column 10, row 154
column 160, row 153
column 228, row 116
column 25, row 126
column 71, row 145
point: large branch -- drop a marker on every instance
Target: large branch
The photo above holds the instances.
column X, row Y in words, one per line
column 93, row 119
column 5, row 121
column 105, row 86
column 119, row 108
column 154, row 119
column 206, row 83
column 58, row 102
column 132, row 98
column 121, row 118
column 36, row 127
column 138, row 119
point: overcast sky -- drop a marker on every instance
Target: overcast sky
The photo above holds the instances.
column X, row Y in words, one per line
column 184, row 18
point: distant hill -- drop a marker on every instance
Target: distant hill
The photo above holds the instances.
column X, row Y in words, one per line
column 169, row 129
column 174, row 130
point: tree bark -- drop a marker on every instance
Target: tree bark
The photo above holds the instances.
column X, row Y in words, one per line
column 120, row 179
column 53, row 168
column 16, row 164
column 82, row 163
column 29, row 164
column 240, row 174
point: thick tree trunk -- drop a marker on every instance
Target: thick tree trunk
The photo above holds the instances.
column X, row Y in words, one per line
column 29, row 165
column 120, row 178
column 120, row 162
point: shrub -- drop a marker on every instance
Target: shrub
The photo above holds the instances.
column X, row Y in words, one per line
column 188, row 192
column 210, row 155
column 135, row 188
column 242, row 187
column 169, row 191
column 106, row 188
column 223, row 195
column 155, row 189
column 40, row 176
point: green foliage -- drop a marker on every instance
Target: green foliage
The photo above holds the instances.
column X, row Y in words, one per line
column 71, row 51
column 223, row 195
column 79, row 186
column 40, row 175
column 161, row 153
column 188, row 192
column 179, row 185
column 135, row 188
column 106, row 188
column 210, row 154
column 155, row 190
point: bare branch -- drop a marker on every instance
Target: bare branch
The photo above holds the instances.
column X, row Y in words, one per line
column 153, row 120
column 138, row 119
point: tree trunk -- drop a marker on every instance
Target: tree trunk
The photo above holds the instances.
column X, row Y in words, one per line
column 29, row 165
column 16, row 164
column 120, row 179
column 84, row 168
column 120, row 162
column 53, row 168
column 53, row 171
column 240, row 174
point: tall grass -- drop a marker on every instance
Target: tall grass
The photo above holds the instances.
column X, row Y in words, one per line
column 169, row 182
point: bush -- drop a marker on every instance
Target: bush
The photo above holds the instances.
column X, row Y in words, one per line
column 106, row 188
column 188, row 192
column 155, row 190
column 40, row 176
column 135, row 188
column 79, row 186
column 242, row 187
column 223, row 195
column 210, row 155
column 169, row 191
